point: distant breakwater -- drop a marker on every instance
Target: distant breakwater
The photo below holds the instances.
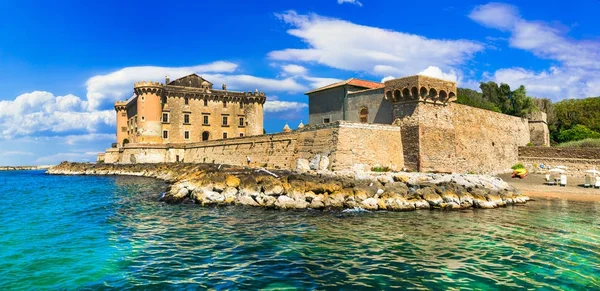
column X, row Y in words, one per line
column 209, row 184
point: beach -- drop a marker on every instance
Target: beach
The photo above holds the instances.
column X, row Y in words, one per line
column 534, row 187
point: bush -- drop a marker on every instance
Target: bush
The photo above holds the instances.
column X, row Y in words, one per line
column 586, row 143
column 578, row 132
column 530, row 144
column 381, row 169
column 517, row 166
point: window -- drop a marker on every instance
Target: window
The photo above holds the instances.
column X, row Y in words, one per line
column 143, row 119
column 225, row 120
column 326, row 120
column 241, row 122
column 123, row 128
column 165, row 134
column 241, row 105
column 186, row 100
column 205, row 119
column 224, row 135
column 142, row 98
column 364, row 115
column 205, row 135
column 186, row 119
column 205, row 102
column 224, row 104
column 241, row 134
column 165, row 117
column 123, row 114
column 186, row 134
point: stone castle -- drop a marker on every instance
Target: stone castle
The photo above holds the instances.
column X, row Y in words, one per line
column 187, row 110
column 408, row 123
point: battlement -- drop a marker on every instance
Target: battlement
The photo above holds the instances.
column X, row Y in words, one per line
column 147, row 84
column 420, row 88
column 120, row 105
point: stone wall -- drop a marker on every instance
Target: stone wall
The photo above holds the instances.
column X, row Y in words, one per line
column 346, row 145
column 578, row 160
column 379, row 109
column 538, row 129
column 458, row 138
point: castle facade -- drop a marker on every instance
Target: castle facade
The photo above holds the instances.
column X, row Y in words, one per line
column 187, row 110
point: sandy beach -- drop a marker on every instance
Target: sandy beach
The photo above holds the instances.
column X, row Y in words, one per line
column 534, row 187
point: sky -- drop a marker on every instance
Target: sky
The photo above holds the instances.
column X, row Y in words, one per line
column 64, row 63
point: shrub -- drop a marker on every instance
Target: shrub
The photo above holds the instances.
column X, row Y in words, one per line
column 586, row 143
column 381, row 169
column 578, row 132
column 530, row 144
column 517, row 166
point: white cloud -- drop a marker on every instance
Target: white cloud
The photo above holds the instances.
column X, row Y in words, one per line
column 316, row 82
column 369, row 49
column 385, row 79
column 578, row 74
column 355, row 2
column 436, row 72
column 294, row 69
column 42, row 113
column 280, row 106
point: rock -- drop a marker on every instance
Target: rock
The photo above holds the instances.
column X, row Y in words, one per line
column 249, row 186
column 385, row 180
column 398, row 204
column 317, row 202
column 420, row 203
column 336, row 199
column 272, row 186
column 401, row 178
column 266, row 200
column 302, row 165
column 466, row 199
column 495, row 199
column 232, row 181
column 246, row 200
column 369, row 204
column 314, row 162
column 449, row 197
column 323, row 163
column 230, row 194
column 285, row 202
column 433, row 199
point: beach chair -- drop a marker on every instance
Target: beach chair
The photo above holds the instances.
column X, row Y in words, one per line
column 588, row 182
column 563, row 180
column 550, row 180
column 597, row 182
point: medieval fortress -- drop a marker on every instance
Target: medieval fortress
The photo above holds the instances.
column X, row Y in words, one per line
column 408, row 123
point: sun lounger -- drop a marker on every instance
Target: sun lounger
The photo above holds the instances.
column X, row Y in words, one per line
column 550, row 180
column 588, row 182
column 563, row 180
column 597, row 185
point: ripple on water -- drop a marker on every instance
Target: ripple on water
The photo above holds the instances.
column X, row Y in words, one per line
column 110, row 232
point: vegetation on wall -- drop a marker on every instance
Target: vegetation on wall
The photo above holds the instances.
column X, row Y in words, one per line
column 585, row 143
column 498, row 98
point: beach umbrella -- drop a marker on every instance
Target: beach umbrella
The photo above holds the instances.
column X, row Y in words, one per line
column 561, row 167
column 557, row 170
column 593, row 172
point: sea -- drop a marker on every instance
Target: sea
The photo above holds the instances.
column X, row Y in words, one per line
column 112, row 233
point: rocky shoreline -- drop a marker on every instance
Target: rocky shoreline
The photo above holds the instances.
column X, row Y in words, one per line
column 208, row 184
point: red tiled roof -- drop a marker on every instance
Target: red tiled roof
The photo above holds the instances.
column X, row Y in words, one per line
column 352, row 81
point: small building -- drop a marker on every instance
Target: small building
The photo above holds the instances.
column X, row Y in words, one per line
column 187, row 110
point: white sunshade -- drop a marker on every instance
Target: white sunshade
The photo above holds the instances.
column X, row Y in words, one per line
column 557, row 170
column 561, row 167
column 593, row 172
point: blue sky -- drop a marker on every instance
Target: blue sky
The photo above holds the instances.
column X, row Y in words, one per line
column 63, row 63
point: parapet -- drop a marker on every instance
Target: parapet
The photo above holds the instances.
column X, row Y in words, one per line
column 538, row 116
column 420, row 88
column 147, row 84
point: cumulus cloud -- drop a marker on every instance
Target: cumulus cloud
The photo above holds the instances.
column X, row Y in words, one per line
column 294, row 69
column 436, row 72
column 369, row 49
column 355, row 2
column 280, row 106
column 41, row 113
column 578, row 74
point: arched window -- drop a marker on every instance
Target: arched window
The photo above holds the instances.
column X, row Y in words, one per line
column 423, row 92
column 205, row 135
column 364, row 115
column 406, row 94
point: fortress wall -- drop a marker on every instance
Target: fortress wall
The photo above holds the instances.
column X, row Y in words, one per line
column 348, row 145
column 459, row 138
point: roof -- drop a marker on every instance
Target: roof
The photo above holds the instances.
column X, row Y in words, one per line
column 352, row 81
column 193, row 79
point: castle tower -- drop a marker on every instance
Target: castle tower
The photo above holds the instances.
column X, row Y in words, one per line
column 254, row 112
column 149, row 111
column 121, row 110
column 538, row 128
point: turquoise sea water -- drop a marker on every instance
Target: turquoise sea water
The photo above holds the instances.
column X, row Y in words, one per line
column 82, row 232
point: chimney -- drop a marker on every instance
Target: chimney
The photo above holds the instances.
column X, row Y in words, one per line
column 167, row 79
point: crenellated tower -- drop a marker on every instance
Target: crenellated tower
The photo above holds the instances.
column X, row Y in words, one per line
column 254, row 112
column 121, row 110
column 149, row 110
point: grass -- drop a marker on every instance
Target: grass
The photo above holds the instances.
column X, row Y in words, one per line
column 381, row 169
column 517, row 166
column 584, row 143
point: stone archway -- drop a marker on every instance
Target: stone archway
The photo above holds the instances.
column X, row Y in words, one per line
column 205, row 135
column 363, row 115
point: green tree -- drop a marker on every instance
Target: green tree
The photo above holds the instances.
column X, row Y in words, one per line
column 578, row 132
column 474, row 99
column 520, row 103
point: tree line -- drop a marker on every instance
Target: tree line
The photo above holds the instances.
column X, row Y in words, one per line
column 568, row 120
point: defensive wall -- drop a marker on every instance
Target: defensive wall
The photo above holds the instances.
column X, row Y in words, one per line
column 338, row 146
column 577, row 160
column 452, row 137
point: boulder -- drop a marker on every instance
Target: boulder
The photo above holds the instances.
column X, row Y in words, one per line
column 266, row 200
column 398, row 204
column 272, row 186
column 433, row 199
column 450, row 197
column 230, row 193
column 369, row 204
column 232, row 181
column 245, row 200
column 285, row 202
column 317, row 202
column 323, row 163
column 302, row 165
column 314, row 162
column 420, row 203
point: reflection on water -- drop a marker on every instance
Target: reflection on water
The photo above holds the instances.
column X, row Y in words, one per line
column 136, row 242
